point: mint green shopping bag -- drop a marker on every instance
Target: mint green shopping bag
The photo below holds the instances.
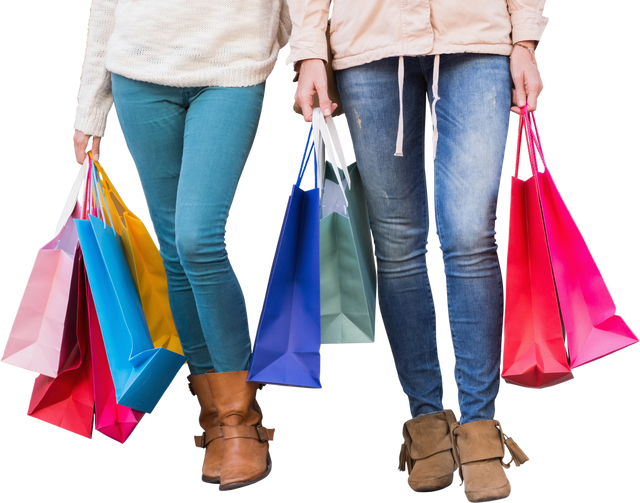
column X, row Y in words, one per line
column 347, row 268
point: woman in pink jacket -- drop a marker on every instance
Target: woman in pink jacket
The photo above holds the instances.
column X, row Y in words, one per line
column 467, row 63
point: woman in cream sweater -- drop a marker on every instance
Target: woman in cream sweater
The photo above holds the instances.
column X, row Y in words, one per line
column 187, row 79
column 397, row 61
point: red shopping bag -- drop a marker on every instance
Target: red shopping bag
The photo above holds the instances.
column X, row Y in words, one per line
column 534, row 352
column 67, row 400
column 592, row 327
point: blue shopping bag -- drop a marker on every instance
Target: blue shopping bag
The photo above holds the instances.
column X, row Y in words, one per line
column 287, row 346
column 141, row 373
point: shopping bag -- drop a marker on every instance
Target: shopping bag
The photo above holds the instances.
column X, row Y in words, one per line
column 347, row 267
column 287, row 345
column 141, row 373
column 113, row 420
column 67, row 400
column 146, row 266
column 534, row 353
column 593, row 329
column 36, row 336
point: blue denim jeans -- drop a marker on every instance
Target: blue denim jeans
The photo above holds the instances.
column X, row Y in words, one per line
column 190, row 146
column 472, row 118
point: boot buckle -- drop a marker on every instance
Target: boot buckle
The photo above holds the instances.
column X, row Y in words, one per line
column 264, row 434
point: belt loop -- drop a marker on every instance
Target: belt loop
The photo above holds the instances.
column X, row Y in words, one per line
column 400, row 138
column 434, row 89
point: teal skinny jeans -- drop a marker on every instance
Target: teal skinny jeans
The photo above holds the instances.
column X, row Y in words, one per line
column 190, row 146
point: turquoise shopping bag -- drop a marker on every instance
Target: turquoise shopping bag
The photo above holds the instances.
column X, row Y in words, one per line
column 141, row 373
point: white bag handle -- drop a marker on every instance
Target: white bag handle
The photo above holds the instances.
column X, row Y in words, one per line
column 317, row 142
column 320, row 130
column 73, row 196
column 335, row 139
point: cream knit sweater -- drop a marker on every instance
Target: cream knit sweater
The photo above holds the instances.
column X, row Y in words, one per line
column 183, row 43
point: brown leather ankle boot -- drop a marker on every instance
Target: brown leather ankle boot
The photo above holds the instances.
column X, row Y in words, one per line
column 211, row 439
column 246, row 457
column 427, row 451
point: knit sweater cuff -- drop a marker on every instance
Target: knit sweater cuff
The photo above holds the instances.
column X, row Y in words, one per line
column 93, row 121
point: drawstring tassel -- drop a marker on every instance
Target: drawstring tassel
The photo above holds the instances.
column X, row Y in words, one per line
column 404, row 461
column 400, row 138
column 434, row 90
column 517, row 455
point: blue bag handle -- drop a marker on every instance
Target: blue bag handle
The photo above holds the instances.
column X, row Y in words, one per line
column 307, row 157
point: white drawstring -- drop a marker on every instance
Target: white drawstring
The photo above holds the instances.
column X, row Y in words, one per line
column 433, row 135
column 401, row 118
column 434, row 89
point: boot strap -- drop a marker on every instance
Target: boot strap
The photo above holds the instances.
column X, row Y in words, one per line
column 259, row 433
column 201, row 440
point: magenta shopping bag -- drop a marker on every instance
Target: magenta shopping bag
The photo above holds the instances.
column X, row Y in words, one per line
column 113, row 420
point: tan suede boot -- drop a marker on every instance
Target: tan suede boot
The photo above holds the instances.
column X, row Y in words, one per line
column 246, row 457
column 427, row 451
column 211, row 439
column 481, row 451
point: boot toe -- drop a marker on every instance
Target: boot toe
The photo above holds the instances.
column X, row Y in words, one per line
column 432, row 473
column 485, row 481
column 243, row 475
column 424, row 485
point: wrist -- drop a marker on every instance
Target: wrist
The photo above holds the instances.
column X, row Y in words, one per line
column 530, row 44
column 526, row 44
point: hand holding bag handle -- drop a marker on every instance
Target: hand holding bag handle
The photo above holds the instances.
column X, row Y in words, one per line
column 332, row 84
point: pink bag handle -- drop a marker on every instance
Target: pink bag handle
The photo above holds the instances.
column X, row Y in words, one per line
column 97, row 203
column 533, row 142
column 535, row 136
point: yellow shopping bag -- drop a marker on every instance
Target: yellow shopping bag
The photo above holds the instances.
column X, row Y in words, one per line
column 146, row 266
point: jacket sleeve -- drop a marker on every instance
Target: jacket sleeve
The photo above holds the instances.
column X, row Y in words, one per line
column 94, row 96
column 309, row 26
column 527, row 21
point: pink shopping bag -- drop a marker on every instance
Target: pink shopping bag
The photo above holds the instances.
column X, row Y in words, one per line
column 589, row 314
column 36, row 336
